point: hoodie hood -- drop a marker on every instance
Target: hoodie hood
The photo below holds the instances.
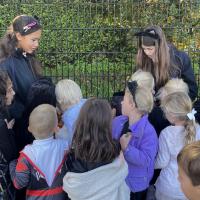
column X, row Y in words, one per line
column 106, row 182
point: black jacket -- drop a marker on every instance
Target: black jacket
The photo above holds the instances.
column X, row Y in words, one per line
column 8, row 152
column 182, row 60
column 79, row 166
column 7, row 140
column 22, row 75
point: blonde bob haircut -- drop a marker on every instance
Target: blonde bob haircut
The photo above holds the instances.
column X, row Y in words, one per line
column 189, row 160
column 43, row 121
column 144, row 79
column 68, row 93
column 143, row 99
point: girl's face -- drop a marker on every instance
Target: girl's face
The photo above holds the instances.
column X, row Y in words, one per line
column 9, row 93
column 149, row 51
column 29, row 43
column 126, row 105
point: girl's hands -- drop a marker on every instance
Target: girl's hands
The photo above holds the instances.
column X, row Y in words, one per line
column 125, row 139
column 10, row 124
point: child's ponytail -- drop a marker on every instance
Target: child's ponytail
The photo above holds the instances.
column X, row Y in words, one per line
column 7, row 44
column 190, row 131
column 190, row 127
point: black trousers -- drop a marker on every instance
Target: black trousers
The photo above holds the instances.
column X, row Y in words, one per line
column 139, row 195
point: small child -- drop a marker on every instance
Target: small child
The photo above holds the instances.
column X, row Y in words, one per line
column 177, row 108
column 178, row 85
column 97, row 170
column 70, row 101
column 156, row 117
column 40, row 165
column 189, row 170
column 141, row 143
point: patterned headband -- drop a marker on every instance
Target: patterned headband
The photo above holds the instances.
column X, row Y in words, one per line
column 31, row 27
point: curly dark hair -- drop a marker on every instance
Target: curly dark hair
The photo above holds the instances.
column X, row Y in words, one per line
column 4, row 78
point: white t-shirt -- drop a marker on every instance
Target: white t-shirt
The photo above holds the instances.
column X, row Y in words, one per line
column 171, row 141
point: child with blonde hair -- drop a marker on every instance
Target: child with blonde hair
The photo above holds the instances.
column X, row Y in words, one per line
column 70, row 101
column 40, row 165
column 178, row 85
column 189, row 170
column 140, row 144
column 144, row 79
column 177, row 108
column 157, row 117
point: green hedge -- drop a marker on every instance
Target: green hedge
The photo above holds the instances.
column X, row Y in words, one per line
column 92, row 41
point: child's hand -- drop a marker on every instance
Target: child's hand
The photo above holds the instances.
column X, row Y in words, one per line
column 10, row 124
column 124, row 140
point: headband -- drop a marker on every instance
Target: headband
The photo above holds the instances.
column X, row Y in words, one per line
column 31, row 27
column 148, row 32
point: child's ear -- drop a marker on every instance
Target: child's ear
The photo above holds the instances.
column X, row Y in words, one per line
column 19, row 36
column 29, row 129
column 133, row 105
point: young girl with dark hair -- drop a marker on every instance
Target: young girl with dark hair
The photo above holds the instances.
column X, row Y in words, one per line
column 96, row 168
column 17, row 57
column 8, row 150
column 163, row 60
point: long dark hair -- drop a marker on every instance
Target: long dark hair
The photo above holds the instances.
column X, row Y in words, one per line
column 92, row 141
column 24, row 25
column 164, row 65
column 4, row 80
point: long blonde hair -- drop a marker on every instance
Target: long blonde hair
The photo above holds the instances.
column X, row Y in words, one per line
column 179, row 104
column 163, row 66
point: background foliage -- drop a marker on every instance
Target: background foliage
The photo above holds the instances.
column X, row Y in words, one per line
column 92, row 42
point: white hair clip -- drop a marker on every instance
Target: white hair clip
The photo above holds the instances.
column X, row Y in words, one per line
column 191, row 114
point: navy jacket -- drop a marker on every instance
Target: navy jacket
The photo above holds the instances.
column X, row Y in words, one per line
column 182, row 60
column 22, row 75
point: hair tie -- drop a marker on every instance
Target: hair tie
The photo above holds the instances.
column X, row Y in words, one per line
column 191, row 114
column 148, row 32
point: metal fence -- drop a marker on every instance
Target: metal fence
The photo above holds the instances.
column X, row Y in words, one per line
column 92, row 42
